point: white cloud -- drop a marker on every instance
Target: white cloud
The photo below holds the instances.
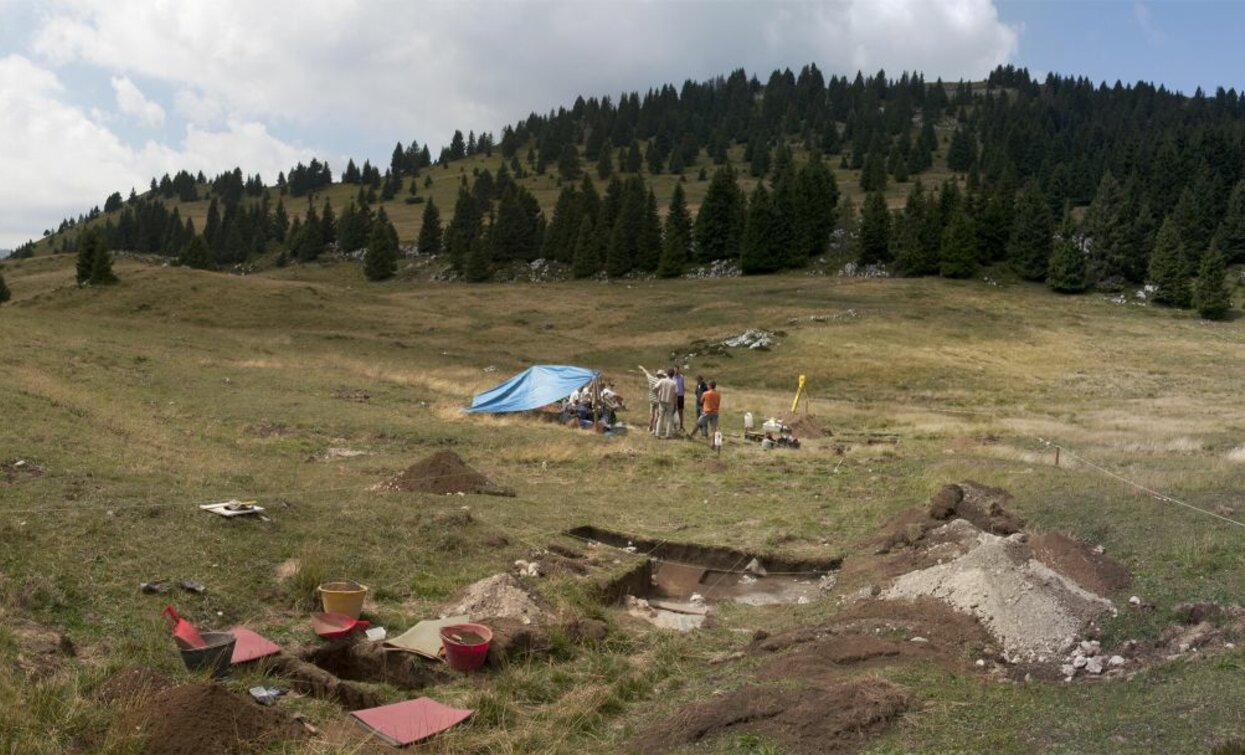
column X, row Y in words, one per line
column 131, row 102
column 377, row 72
column 70, row 161
column 401, row 70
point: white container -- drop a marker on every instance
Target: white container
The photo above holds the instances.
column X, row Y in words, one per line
column 748, row 422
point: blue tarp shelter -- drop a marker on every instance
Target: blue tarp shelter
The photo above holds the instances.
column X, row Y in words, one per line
column 531, row 389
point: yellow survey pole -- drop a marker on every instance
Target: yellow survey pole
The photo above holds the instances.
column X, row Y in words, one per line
column 798, row 393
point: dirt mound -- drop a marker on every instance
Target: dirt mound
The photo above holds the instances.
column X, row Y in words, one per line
column 1033, row 610
column 839, row 718
column 1080, row 563
column 442, row 473
column 980, row 504
column 804, row 426
column 198, row 719
column 499, row 595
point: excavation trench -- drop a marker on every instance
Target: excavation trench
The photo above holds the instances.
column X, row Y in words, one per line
column 676, row 585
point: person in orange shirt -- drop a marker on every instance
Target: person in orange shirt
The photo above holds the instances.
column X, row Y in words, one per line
column 711, row 403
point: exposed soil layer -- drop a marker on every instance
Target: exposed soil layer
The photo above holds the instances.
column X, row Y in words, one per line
column 15, row 471
column 980, row 504
column 1095, row 572
column 444, row 472
column 707, row 556
column 804, row 426
column 360, row 660
column 40, row 650
column 837, row 718
column 312, row 680
column 207, row 719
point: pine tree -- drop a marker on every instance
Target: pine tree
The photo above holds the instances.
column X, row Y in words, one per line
column 959, row 247
column 718, row 229
column 196, row 254
column 1231, row 233
column 916, row 238
column 568, row 163
column 1029, row 247
column 1068, row 272
column 605, row 163
column 587, row 258
column 677, row 237
column 963, row 151
column 759, row 253
column 875, row 230
column 1168, row 270
column 1211, row 296
column 1107, row 223
column 819, row 195
column 463, row 229
column 94, row 263
column 648, row 247
column 564, row 227
column 4, row 290
column 328, row 223
column 429, row 241
column 635, row 160
column 479, row 264
column 380, row 261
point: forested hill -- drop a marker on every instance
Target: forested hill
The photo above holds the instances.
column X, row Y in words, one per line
column 1085, row 184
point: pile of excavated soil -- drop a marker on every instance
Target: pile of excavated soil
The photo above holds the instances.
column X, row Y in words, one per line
column 444, row 472
column 1073, row 559
column 838, row 718
column 804, row 426
column 195, row 719
column 1034, row 611
column 499, row 595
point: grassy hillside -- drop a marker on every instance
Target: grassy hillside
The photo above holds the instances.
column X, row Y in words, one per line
column 177, row 387
column 407, row 218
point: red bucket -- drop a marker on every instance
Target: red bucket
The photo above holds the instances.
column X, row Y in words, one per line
column 466, row 645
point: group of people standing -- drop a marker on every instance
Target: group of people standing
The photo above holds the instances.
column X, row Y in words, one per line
column 667, row 391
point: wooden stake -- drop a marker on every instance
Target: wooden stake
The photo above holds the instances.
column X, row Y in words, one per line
column 1056, row 455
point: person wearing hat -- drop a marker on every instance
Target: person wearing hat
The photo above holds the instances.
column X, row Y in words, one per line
column 652, row 398
column 667, row 392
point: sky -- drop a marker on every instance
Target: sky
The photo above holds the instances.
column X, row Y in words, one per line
column 97, row 96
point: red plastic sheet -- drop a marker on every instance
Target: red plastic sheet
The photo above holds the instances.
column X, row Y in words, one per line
column 250, row 645
column 402, row 723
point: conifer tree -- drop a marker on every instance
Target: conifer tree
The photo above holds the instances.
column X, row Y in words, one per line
column 463, row 229
column 913, row 252
column 94, row 263
column 1068, row 271
column 1168, row 269
column 635, row 160
column 281, row 221
column 380, row 261
column 1211, row 296
column 962, row 152
column 564, row 227
column 648, row 248
column 605, row 163
column 4, row 290
column 587, row 258
column 677, row 237
column 328, row 223
column 1107, row 223
column 1029, row 247
column 718, row 229
column 479, row 264
column 196, row 254
column 429, row 241
column 1231, row 233
column 959, row 247
column 819, row 195
column 568, row 163
column 759, row 253
column 875, row 230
